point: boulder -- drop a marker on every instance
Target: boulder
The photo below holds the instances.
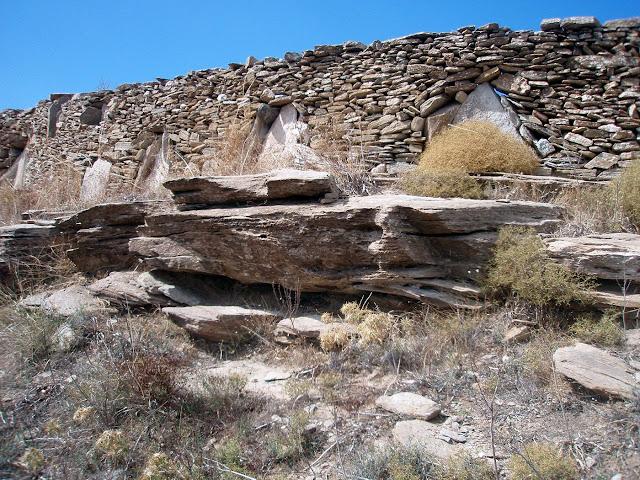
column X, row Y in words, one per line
column 484, row 105
column 441, row 119
column 154, row 167
column 220, row 323
column 410, row 404
column 374, row 243
column 198, row 192
column 95, row 182
column 596, row 370
column 73, row 300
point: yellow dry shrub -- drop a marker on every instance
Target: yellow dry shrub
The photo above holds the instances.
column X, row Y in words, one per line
column 477, row 147
column 352, row 313
column 375, row 328
column 33, row 460
column 83, row 414
column 334, row 339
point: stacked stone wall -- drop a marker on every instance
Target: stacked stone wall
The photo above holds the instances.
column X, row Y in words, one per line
column 575, row 86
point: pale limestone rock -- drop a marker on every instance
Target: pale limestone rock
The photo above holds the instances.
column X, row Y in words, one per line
column 517, row 333
column 220, row 323
column 123, row 289
column 73, row 300
column 596, row 370
column 512, row 84
column 154, row 167
column 410, row 404
column 95, row 182
column 309, row 327
column 484, row 105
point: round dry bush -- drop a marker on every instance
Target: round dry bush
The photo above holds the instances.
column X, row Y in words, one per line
column 477, row 147
column 334, row 339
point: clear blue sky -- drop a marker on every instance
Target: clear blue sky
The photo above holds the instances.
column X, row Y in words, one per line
column 49, row 46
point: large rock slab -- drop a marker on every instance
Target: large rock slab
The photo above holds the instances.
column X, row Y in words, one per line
column 353, row 245
column 95, row 182
column 124, row 289
column 410, row 404
column 73, row 300
column 307, row 327
column 198, row 192
column 596, row 370
column 220, row 323
column 610, row 256
column 424, row 436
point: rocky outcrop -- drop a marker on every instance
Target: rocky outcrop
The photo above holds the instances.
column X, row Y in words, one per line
column 597, row 370
column 410, row 404
column 382, row 243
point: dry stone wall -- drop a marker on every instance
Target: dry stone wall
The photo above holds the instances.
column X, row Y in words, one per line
column 575, row 86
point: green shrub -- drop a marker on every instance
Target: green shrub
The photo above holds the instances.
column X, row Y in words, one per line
column 477, row 147
column 443, row 184
column 542, row 461
column 629, row 185
column 604, row 331
column 520, row 265
column 391, row 462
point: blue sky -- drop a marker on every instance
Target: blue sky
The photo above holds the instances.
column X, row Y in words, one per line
column 49, row 46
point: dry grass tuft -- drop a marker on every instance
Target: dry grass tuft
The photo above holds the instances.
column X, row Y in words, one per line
column 477, row 147
column 334, row 339
column 112, row 446
column 629, row 188
column 543, row 460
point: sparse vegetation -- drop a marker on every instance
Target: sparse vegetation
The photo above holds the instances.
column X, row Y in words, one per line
column 543, row 460
column 629, row 187
column 520, row 266
column 603, row 331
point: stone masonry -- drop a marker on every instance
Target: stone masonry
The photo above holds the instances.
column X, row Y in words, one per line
column 575, row 86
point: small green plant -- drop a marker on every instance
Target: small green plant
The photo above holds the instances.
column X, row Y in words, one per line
column 112, row 447
column 225, row 394
column 293, row 443
column 477, row 147
column 392, row 463
column 35, row 334
column 542, row 461
column 443, row 184
column 520, row 265
column 604, row 331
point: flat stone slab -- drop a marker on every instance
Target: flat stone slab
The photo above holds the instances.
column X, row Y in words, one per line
column 223, row 190
column 74, row 300
column 218, row 323
column 424, row 436
column 610, row 256
column 410, row 404
column 596, row 370
column 123, row 288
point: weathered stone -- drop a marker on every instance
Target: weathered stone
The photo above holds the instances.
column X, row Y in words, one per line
column 596, row 370
column 511, row 84
column 410, row 404
column 95, row 182
column 550, row 24
column 610, row 256
column 633, row 22
column 220, row 324
column 603, row 161
column 74, row 300
column 544, row 147
column 575, row 23
column 440, row 119
column 362, row 243
column 124, row 289
column 579, row 139
column 483, row 104
column 224, row 190
column 518, row 333
column 602, row 62
column 155, row 165
column 433, row 104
